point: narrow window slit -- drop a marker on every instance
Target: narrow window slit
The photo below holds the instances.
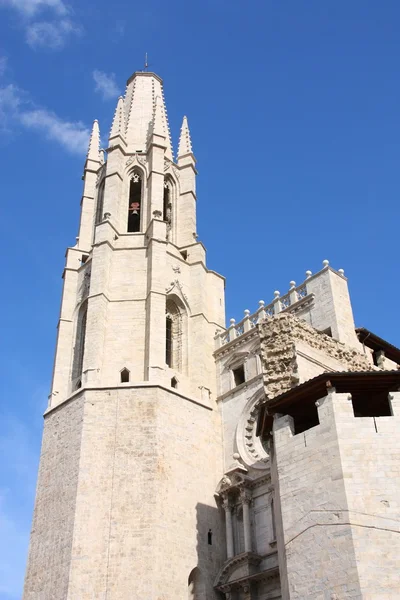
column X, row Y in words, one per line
column 125, row 375
column 168, row 340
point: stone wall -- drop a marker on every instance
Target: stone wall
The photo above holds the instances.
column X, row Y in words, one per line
column 49, row 559
column 135, row 522
column 339, row 491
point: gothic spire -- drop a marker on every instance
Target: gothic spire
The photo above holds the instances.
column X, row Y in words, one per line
column 185, row 143
column 118, row 125
column 142, row 91
column 93, row 152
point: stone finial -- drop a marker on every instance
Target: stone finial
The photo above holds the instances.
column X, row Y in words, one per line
column 308, row 274
column 261, row 303
column 277, row 294
column 325, row 263
column 93, row 152
column 292, row 284
column 246, row 320
column 232, row 322
column 341, row 272
column 185, row 143
column 118, row 124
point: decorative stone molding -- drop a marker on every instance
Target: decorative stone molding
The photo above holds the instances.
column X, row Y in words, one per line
column 175, row 287
column 246, row 563
column 245, row 496
column 171, row 168
column 278, row 338
column 234, row 480
column 138, row 160
column 100, row 174
column 250, row 447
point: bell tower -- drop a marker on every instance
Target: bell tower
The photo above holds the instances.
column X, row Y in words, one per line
column 131, row 452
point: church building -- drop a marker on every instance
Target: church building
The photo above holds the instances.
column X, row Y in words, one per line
column 183, row 460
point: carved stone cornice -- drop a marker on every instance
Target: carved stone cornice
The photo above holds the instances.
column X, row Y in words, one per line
column 248, row 563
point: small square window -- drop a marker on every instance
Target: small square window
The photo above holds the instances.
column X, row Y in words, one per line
column 238, row 375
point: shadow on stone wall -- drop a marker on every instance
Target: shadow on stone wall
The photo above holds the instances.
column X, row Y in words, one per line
column 211, row 551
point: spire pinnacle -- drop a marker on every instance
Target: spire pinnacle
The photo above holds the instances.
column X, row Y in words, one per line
column 158, row 121
column 185, row 143
column 118, row 124
column 94, row 143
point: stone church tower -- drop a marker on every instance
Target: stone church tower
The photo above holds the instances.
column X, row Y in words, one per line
column 182, row 460
column 132, row 451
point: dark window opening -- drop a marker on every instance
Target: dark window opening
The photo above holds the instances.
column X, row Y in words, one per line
column 174, row 383
column 135, row 201
column 238, row 375
column 168, row 340
column 100, row 203
column 209, row 537
column 166, row 202
column 378, row 356
column 125, row 375
column 81, row 343
column 273, row 520
column 327, row 331
column 84, row 258
column 306, row 419
column 376, row 405
column 78, row 384
column 184, row 254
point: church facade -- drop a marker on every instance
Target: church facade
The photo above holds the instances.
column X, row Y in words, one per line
column 183, row 459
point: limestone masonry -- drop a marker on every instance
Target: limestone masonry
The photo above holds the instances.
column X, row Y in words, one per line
column 184, row 460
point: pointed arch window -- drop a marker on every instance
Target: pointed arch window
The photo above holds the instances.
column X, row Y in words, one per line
column 176, row 334
column 168, row 339
column 135, row 203
column 125, row 375
column 167, row 204
column 79, row 350
column 100, row 203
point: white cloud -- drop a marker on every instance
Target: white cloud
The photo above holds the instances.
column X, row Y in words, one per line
column 3, row 65
column 15, row 107
column 30, row 8
column 74, row 136
column 106, row 84
column 51, row 34
column 11, row 98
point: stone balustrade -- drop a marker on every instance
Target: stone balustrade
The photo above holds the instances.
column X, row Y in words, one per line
column 279, row 304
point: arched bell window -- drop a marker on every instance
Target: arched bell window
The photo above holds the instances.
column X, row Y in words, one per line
column 135, row 203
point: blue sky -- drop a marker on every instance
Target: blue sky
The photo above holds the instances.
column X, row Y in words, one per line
column 294, row 114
